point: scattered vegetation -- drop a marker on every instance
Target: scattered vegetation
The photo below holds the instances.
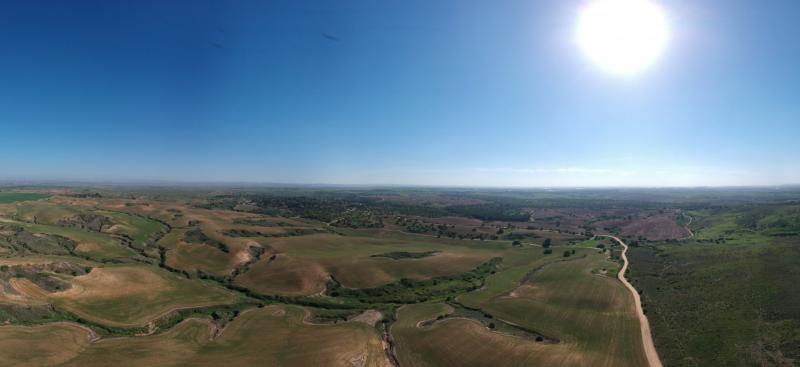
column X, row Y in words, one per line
column 196, row 235
column 727, row 297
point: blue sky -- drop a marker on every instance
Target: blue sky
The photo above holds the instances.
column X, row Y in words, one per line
column 466, row 93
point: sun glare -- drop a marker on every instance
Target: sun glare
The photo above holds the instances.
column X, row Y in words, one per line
column 623, row 36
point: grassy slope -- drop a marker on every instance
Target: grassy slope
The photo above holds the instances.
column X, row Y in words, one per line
column 462, row 342
column 591, row 313
column 285, row 275
column 96, row 245
column 273, row 336
column 23, row 346
column 128, row 296
column 192, row 257
column 349, row 259
column 570, row 301
column 46, row 212
column 138, row 228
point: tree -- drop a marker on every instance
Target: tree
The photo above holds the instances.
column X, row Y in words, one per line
column 567, row 253
column 491, row 325
column 548, row 251
column 547, row 243
column 516, row 244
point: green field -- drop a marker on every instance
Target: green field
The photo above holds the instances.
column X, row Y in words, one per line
column 45, row 212
column 138, row 228
column 13, row 197
column 576, row 300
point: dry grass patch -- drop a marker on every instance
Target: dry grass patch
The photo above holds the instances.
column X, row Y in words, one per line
column 350, row 258
column 174, row 347
column 464, row 342
column 285, row 275
column 376, row 271
column 290, row 342
column 44, row 345
column 272, row 336
column 127, row 296
column 655, row 228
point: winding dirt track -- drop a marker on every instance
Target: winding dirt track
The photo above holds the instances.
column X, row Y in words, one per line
column 644, row 325
column 691, row 234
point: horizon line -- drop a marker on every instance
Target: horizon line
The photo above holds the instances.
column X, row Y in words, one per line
column 10, row 183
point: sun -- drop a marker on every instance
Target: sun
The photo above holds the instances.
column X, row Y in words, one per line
column 623, row 36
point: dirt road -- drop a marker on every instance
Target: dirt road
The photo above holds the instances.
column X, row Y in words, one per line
column 689, row 223
column 691, row 234
column 644, row 325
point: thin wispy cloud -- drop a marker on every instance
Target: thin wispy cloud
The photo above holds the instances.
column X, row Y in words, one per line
column 557, row 170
